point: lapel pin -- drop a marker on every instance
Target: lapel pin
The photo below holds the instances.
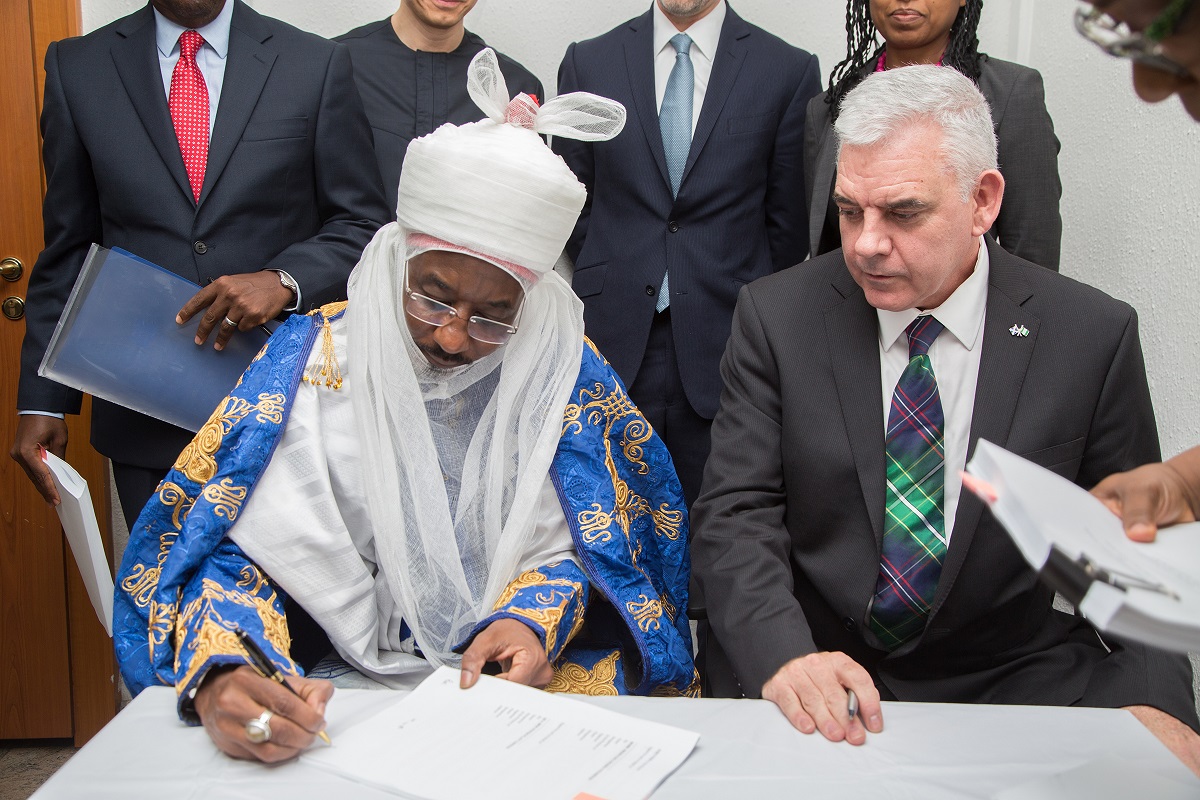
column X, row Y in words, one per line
column 1018, row 330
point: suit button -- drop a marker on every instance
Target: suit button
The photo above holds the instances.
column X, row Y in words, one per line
column 650, row 291
column 849, row 624
column 673, row 226
column 200, row 247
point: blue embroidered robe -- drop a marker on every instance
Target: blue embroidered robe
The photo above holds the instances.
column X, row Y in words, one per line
column 614, row 623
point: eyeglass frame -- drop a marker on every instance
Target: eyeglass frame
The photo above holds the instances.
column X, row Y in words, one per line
column 473, row 320
column 1118, row 40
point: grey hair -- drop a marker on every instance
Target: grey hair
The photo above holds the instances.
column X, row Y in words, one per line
column 888, row 102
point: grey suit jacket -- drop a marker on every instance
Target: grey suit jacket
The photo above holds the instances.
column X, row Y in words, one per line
column 290, row 184
column 1029, row 224
column 789, row 525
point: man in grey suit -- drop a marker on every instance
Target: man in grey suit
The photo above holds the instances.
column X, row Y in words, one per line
column 839, row 553
column 225, row 146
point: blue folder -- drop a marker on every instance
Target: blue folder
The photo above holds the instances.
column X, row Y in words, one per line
column 117, row 340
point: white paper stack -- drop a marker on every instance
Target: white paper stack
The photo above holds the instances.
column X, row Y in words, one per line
column 83, row 533
column 1144, row 592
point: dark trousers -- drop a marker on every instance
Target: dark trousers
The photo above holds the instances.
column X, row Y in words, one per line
column 659, row 395
column 135, row 487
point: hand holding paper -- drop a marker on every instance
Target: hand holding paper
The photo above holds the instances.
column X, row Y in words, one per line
column 1150, row 496
column 37, row 433
column 1146, row 592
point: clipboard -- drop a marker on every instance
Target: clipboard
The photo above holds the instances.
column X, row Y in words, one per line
column 117, row 340
column 1145, row 592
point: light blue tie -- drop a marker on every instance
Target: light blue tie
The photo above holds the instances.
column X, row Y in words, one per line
column 675, row 122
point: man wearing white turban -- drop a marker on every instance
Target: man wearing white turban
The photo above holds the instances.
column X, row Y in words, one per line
column 441, row 471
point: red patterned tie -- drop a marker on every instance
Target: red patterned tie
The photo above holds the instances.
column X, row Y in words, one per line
column 189, row 110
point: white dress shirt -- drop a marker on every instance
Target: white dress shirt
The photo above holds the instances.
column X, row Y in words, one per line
column 210, row 58
column 705, row 34
column 955, row 359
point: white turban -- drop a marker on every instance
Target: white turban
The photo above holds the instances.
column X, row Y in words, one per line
column 493, row 186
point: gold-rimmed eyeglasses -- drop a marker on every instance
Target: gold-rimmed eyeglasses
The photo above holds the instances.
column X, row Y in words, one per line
column 1118, row 39
column 434, row 312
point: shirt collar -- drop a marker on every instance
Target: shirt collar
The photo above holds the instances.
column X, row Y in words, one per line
column 705, row 33
column 962, row 313
column 215, row 33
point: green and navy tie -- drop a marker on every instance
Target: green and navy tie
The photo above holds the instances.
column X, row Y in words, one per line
column 914, row 539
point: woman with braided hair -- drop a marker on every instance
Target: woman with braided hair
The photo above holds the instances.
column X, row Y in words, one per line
column 944, row 32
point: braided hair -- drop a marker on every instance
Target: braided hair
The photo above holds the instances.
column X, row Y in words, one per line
column 863, row 48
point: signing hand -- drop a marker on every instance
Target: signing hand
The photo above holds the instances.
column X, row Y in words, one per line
column 246, row 300
column 811, row 693
column 518, row 649
column 50, row 433
column 229, row 698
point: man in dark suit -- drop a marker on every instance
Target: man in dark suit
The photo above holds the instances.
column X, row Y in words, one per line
column 238, row 158
column 838, row 553
column 411, row 70
column 701, row 194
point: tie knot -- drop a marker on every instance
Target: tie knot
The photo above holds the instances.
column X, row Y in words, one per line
column 921, row 333
column 682, row 43
column 189, row 43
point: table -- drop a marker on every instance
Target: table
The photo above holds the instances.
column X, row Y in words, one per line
column 928, row 751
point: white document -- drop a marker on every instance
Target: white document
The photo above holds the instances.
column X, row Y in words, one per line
column 1145, row 592
column 79, row 523
column 502, row 740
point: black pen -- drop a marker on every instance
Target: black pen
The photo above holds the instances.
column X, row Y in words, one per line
column 266, row 667
column 851, row 704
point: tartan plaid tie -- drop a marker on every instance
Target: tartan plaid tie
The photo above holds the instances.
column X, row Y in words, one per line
column 188, row 102
column 914, row 541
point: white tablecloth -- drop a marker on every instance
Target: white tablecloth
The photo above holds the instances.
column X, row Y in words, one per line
column 747, row 749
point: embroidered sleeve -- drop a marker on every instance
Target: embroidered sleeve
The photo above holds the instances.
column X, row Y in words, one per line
column 228, row 592
column 550, row 600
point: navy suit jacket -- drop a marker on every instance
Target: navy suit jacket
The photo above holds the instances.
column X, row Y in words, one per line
column 290, row 184
column 740, row 213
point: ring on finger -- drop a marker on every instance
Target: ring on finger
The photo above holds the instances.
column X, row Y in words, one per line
column 258, row 730
column 230, row 323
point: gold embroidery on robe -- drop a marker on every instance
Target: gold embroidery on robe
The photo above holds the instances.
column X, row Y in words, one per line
column 600, row 406
column 196, row 461
column 215, row 636
column 553, row 604
column 599, row 681
column 226, row 498
column 671, row 690
column 646, row 613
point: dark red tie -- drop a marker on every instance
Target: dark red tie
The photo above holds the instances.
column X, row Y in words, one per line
column 189, row 110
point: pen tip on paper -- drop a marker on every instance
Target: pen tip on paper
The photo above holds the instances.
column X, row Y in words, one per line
column 325, row 738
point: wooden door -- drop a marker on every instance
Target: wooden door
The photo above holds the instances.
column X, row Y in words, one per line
column 57, row 671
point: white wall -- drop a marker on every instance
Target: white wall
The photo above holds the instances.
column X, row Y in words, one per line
column 1131, row 172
